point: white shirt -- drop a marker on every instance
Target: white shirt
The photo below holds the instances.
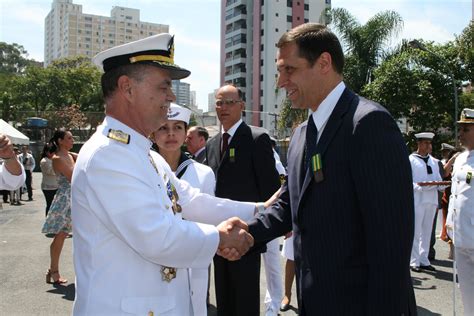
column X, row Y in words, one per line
column 30, row 162
column 125, row 230
column 461, row 203
column 231, row 131
column 9, row 181
column 425, row 194
column 324, row 110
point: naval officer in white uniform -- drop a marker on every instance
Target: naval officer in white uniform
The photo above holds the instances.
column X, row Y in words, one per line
column 425, row 168
column 460, row 220
column 169, row 138
column 132, row 250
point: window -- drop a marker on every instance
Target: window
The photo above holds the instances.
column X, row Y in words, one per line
column 306, row 6
column 261, row 47
column 289, row 3
column 289, row 18
column 261, row 32
column 276, row 30
column 261, row 79
column 261, row 62
column 261, row 17
column 128, row 17
column 276, row 14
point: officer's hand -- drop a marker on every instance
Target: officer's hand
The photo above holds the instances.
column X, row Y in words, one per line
column 234, row 240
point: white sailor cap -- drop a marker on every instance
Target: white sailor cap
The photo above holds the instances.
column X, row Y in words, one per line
column 467, row 116
column 157, row 50
column 178, row 113
column 445, row 146
column 425, row 135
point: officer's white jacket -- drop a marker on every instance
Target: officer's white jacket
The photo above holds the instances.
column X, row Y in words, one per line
column 125, row 231
column 425, row 194
column 461, row 202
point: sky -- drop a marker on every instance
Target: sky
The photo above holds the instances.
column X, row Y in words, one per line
column 196, row 26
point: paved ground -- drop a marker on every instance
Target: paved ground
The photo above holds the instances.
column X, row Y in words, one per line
column 24, row 258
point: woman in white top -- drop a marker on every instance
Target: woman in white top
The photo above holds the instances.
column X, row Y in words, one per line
column 49, row 182
column 169, row 139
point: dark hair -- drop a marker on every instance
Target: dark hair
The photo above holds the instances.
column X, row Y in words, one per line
column 202, row 132
column 110, row 78
column 58, row 134
column 313, row 39
column 47, row 149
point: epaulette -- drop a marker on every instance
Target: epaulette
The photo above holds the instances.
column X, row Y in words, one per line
column 118, row 136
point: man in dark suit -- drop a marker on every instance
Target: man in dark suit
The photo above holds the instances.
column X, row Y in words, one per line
column 242, row 159
column 196, row 139
column 348, row 196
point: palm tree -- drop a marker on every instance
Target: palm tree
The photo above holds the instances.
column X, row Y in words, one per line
column 364, row 44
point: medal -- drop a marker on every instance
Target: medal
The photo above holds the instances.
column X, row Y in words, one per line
column 232, row 154
column 168, row 273
column 317, row 168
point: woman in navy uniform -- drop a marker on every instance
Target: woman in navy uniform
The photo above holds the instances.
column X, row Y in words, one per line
column 170, row 138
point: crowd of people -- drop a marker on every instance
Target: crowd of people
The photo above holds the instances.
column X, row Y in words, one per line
column 147, row 218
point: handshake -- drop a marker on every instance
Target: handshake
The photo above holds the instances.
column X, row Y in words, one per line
column 234, row 239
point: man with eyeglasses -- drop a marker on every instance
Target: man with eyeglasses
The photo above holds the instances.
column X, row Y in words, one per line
column 425, row 169
column 241, row 157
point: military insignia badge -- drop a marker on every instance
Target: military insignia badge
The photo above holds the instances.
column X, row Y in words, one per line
column 118, row 136
column 468, row 177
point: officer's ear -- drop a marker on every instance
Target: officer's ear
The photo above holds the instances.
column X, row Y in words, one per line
column 124, row 86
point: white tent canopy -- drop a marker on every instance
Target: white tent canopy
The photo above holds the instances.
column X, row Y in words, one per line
column 15, row 135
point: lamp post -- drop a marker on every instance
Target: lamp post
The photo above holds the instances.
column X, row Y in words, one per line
column 416, row 44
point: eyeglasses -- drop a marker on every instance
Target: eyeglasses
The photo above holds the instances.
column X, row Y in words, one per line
column 220, row 103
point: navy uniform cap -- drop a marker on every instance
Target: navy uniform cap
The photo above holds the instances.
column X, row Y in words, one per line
column 425, row 135
column 156, row 50
column 467, row 116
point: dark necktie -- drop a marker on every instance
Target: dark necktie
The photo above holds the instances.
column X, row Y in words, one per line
column 225, row 143
column 311, row 141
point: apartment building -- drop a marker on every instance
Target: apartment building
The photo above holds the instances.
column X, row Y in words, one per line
column 250, row 30
column 70, row 32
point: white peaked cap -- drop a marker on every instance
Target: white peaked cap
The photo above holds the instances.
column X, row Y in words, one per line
column 179, row 113
column 425, row 135
column 156, row 50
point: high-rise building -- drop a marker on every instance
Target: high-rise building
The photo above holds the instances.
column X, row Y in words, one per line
column 250, row 30
column 182, row 91
column 69, row 32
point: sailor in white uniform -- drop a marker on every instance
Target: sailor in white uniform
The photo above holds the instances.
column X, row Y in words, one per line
column 132, row 250
column 460, row 221
column 169, row 138
column 425, row 168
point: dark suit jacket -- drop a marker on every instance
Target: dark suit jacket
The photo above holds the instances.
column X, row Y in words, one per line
column 250, row 175
column 352, row 231
column 201, row 157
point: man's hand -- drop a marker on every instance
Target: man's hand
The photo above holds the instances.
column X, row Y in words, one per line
column 8, row 155
column 234, row 240
column 6, row 148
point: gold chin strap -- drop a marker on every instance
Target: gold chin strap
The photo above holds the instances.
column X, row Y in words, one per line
column 165, row 59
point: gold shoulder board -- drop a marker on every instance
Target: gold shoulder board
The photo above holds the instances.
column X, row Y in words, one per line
column 118, row 136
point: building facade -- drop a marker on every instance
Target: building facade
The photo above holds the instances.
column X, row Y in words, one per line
column 250, row 30
column 69, row 32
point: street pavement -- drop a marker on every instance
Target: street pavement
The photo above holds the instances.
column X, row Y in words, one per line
column 24, row 259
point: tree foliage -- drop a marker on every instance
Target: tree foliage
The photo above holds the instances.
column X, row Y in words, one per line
column 290, row 118
column 364, row 44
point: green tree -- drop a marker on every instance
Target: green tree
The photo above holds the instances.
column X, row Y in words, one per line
column 364, row 44
column 13, row 59
column 417, row 84
column 290, row 118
